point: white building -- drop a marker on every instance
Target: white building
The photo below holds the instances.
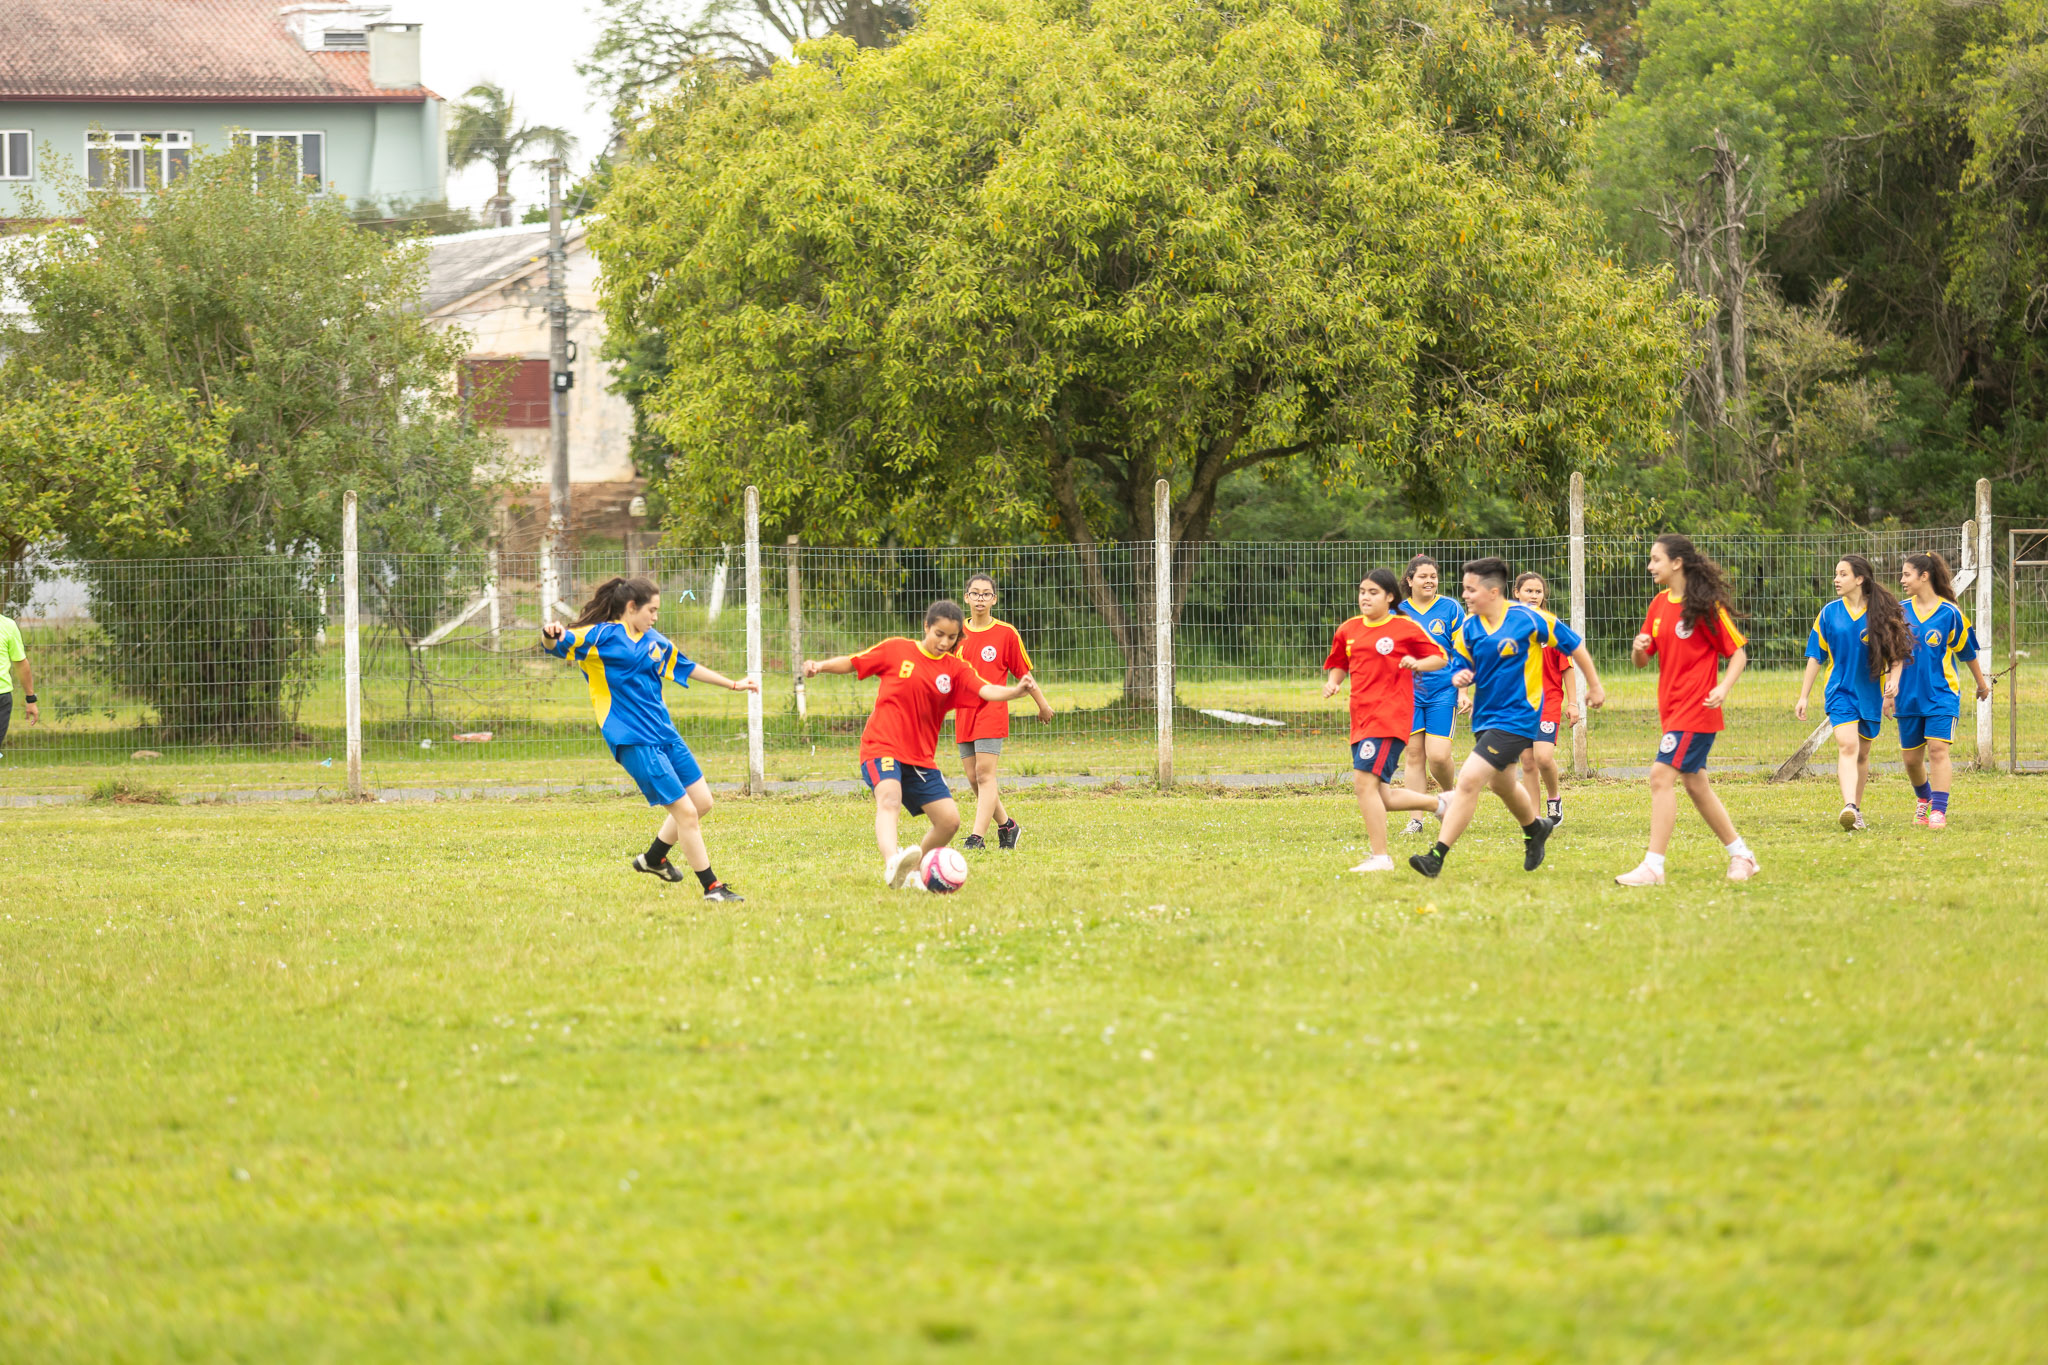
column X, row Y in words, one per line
column 493, row 284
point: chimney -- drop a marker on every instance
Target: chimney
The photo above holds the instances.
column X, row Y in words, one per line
column 395, row 56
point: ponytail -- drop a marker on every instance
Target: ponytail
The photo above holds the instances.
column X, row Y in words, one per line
column 1887, row 641
column 1936, row 568
column 612, row 598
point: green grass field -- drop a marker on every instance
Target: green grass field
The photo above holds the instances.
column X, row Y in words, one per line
column 323, row 1082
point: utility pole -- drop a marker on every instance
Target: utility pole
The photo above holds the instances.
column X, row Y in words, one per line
column 561, row 377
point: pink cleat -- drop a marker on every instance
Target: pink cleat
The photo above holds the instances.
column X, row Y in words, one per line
column 1937, row 819
column 1741, row 869
column 1643, row 875
column 1920, row 814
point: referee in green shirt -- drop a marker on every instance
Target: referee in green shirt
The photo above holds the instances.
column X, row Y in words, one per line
column 13, row 657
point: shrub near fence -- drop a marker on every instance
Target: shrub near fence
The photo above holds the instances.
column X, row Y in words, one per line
column 229, row 660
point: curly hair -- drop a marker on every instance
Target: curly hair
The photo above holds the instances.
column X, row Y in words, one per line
column 1706, row 583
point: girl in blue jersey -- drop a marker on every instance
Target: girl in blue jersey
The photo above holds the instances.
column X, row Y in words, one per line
column 626, row 660
column 1437, row 701
column 1930, row 690
column 1861, row 636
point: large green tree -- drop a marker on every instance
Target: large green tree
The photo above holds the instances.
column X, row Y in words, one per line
column 999, row 277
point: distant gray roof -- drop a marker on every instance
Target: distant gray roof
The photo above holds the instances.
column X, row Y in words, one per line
column 461, row 263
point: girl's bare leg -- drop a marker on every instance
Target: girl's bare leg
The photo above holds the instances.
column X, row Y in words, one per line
column 1708, row 803
column 1438, row 748
column 945, row 818
column 682, row 829
column 1663, row 806
column 888, row 807
column 988, row 800
column 1941, row 770
column 1371, row 810
column 1847, row 763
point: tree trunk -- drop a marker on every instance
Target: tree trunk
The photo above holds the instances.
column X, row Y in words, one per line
column 1735, row 278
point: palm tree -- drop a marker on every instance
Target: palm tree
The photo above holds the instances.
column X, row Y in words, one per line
column 486, row 128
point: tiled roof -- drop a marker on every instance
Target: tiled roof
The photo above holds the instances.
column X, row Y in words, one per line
column 229, row 50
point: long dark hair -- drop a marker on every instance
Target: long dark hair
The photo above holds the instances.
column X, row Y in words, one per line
column 1408, row 574
column 612, row 598
column 1886, row 639
column 1706, row 583
column 1393, row 587
column 1936, row 568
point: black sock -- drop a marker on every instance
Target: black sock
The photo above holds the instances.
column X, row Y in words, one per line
column 657, row 853
column 1441, row 851
column 707, row 878
column 1533, row 828
column 1010, row 823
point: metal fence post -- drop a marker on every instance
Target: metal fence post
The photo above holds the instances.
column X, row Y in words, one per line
column 1580, row 766
column 1987, row 756
column 491, row 591
column 351, row 647
column 757, row 762
column 1162, row 625
column 796, row 626
column 549, row 587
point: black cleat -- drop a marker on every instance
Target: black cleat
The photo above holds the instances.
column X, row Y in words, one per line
column 1006, row 834
column 975, row 841
column 1532, row 845
column 1428, row 864
column 719, row 891
column 664, row 869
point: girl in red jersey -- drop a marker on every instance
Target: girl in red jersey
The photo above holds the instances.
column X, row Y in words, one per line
column 921, row 681
column 995, row 651
column 1539, row 761
column 1381, row 653
column 1689, row 630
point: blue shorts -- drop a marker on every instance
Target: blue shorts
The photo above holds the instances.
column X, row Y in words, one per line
column 921, row 786
column 1915, row 731
column 663, row 772
column 1434, row 717
column 1866, row 727
column 1686, row 750
column 1380, row 757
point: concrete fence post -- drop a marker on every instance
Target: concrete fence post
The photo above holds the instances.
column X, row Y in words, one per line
column 757, row 761
column 351, row 646
column 1162, row 625
column 1987, row 755
column 1581, row 763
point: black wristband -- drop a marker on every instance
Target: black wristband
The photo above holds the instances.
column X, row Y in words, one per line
column 28, row 698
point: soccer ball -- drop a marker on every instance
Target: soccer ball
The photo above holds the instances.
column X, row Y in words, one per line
column 943, row 871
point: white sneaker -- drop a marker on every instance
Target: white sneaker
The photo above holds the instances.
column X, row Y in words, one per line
column 1414, row 826
column 901, row 870
column 1850, row 818
column 1741, row 869
column 1643, row 875
column 1379, row 862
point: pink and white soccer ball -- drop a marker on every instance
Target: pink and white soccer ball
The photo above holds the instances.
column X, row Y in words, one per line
column 943, row 870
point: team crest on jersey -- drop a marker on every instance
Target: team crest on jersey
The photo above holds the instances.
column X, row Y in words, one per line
column 945, row 682
column 654, row 651
column 1385, row 646
column 1669, row 743
column 1507, row 649
column 988, row 654
column 1933, row 638
column 1436, row 627
column 1683, row 630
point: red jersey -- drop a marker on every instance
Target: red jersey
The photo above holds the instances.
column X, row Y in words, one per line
column 1556, row 663
column 1382, row 692
column 996, row 654
column 918, row 689
column 1688, row 662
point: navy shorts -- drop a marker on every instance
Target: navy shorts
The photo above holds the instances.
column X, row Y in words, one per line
column 1685, row 750
column 663, row 772
column 1434, row 717
column 1866, row 728
column 1915, row 731
column 1380, row 757
column 921, row 786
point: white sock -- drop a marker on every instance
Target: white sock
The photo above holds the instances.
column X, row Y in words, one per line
column 1739, row 849
column 1654, row 861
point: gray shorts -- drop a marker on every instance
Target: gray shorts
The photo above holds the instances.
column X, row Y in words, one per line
column 980, row 746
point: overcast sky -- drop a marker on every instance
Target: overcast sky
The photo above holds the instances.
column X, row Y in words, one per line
column 529, row 47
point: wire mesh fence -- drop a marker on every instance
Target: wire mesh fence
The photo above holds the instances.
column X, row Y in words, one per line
column 238, row 663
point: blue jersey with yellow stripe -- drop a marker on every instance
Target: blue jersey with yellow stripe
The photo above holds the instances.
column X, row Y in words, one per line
column 1441, row 621
column 1840, row 639
column 1931, row 684
column 626, row 672
column 1506, row 659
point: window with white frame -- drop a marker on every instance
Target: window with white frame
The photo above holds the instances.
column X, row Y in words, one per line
column 130, row 161
column 303, row 153
column 14, row 154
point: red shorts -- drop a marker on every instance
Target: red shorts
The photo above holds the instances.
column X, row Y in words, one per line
column 988, row 720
